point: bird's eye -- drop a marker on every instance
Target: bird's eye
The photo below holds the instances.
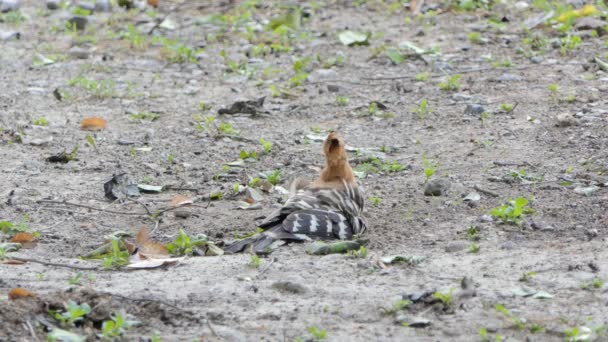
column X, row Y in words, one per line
column 335, row 142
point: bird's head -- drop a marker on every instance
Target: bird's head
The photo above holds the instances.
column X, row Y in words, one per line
column 336, row 159
column 334, row 146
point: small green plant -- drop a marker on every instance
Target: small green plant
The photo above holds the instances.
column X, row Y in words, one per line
column 473, row 233
column 226, row 128
column 91, row 141
column 397, row 306
column 317, row 334
column 536, row 328
column 147, row 116
column 429, row 168
column 505, row 63
column 422, row 77
column 99, row 89
column 577, row 334
column 474, row 37
column 474, row 248
column 446, row 298
column 596, row 283
column 40, row 122
column 216, row 196
column 184, row 244
column 375, row 201
column 10, row 228
column 376, row 166
column 518, row 322
column 81, row 11
column 117, row 257
column 570, row 43
column 236, row 188
column 255, row 261
column 170, row 158
column 362, row 252
column 527, row 276
column 423, row 109
column 73, row 313
column 373, row 108
column 451, row 84
column 274, row 177
column 506, row 107
column 512, row 211
column 115, row 327
column 246, row 155
column 266, row 146
column 342, row 101
column 75, row 279
column 254, row 182
column 12, row 18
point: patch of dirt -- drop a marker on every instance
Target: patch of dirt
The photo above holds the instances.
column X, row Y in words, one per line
column 539, row 131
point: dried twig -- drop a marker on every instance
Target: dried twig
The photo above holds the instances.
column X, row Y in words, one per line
column 485, row 191
column 91, row 208
column 47, row 263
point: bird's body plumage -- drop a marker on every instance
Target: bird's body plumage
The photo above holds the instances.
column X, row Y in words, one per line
column 329, row 208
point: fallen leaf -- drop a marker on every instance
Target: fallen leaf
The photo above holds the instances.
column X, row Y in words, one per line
column 65, row 336
column 180, row 200
column 153, row 250
column 12, row 262
column 153, row 3
column 18, row 292
column 150, row 188
column 93, row 124
column 350, row 38
column 154, row 263
column 143, row 235
column 22, row 237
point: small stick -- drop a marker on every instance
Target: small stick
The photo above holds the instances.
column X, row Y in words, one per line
column 47, row 263
column 487, row 192
column 31, row 329
column 91, row 208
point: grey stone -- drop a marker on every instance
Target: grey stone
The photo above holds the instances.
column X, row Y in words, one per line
column 78, row 22
column 103, row 6
column 591, row 23
column 509, row 78
column 293, row 284
column 9, row 5
column 437, row 187
column 10, row 35
column 456, row 246
column 566, row 120
column 587, row 191
column 474, row 109
column 332, row 88
column 537, row 59
column 52, row 4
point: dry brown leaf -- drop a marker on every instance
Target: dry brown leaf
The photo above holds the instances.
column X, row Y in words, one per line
column 143, row 236
column 153, row 250
column 249, row 200
column 22, row 237
column 180, row 200
column 93, row 124
column 19, row 292
column 153, row 3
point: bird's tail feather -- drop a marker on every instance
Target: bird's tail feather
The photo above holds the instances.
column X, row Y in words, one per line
column 260, row 244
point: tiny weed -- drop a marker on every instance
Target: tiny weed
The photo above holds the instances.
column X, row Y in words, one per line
column 255, row 261
column 117, row 257
column 446, row 298
column 246, row 155
column 40, row 122
column 115, row 327
column 512, row 211
column 317, row 334
column 274, row 177
column 474, row 248
column 451, row 84
column 362, row 252
column 375, row 201
column 422, row 77
column 184, row 244
column 342, row 101
column 473, row 233
column 266, row 145
column 423, row 109
column 226, row 128
column 73, row 313
column 519, row 323
column 75, row 279
column 527, row 276
column 506, row 107
column 474, row 37
column 147, row 116
column 429, row 168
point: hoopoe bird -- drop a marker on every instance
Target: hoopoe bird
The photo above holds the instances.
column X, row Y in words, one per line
column 329, row 208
